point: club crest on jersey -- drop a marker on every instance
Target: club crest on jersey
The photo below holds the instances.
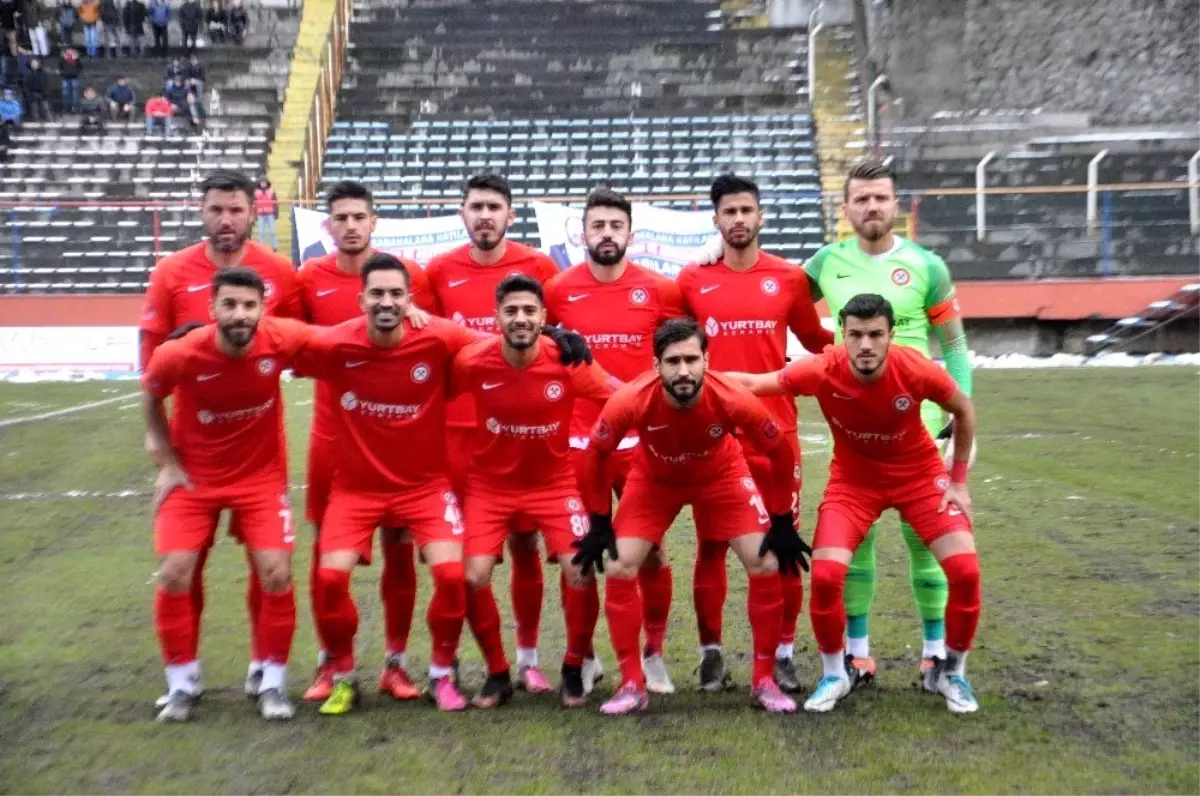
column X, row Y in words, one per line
column 449, row 498
column 420, row 373
column 901, row 277
column 515, row 273
column 554, row 391
column 204, row 416
column 769, row 286
column 574, row 505
column 459, row 318
column 902, row 403
column 747, row 483
column 492, row 425
column 601, row 431
column 770, row 429
column 349, row 401
column 639, row 296
column 942, row 482
column 711, row 327
column 716, row 431
column 266, row 366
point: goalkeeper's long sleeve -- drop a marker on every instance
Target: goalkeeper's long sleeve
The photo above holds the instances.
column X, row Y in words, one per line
column 952, row 339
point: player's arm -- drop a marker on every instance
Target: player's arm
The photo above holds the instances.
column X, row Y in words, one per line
column 458, row 380
column 799, row 378
column 812, row 268
column 314, row 358
column 422, row 291
column 290, row 304
column 158, row 316
column 594, row 383
column 618, row 416
column 803, row 319
column 941, row 308
column 162, row 376
column 671, row 302
column 936, row 385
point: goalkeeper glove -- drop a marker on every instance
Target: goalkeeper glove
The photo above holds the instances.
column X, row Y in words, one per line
column 591, row 547
column 574, row 348
column 783, row 540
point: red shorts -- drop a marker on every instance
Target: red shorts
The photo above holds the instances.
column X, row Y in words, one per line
column 432, row 513
column 849, row 509
column 760, row 469
column 460, row 452
column 617, row 469
column 322, row 453
column 723, row 508
column 491, row 515
column 261, row 514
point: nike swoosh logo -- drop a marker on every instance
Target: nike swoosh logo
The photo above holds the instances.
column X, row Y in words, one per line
column 356, row 364
column 841, row 397
column 576, row 298
column 207, row 377
column 197, row 288
column 657, row 428
column 487, row 386
column 843, row 276
column 708, row 289
column 322, row 293
column 457, row 282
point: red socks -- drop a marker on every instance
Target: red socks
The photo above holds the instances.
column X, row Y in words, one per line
column 793, row 600
column 197, row 593
column 175, row 621
column 527, row 588
column 398, row 590
column 656, row 587
column 764, row 604
column 254, row 599
column 825, row 605
column 314, row 593
column 581, row 607
column 446, row 611
column 484, row 619
column 710, row 586
column 965, row 600
column 623, row 606
column 337, row 618
column 276, row 625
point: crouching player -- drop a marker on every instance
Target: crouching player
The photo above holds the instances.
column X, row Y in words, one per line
column 871, row 394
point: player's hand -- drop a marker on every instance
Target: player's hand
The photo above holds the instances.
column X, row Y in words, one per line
column 956, row 495
column 591, row 547
column 713, row 250
column 170, row 477
column 574, row 348
column 417, row 317
column 945, row 443
column 786, row 544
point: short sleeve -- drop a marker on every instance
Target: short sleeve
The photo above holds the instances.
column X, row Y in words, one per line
column 457, row 337
column 314, row 357
column 164, row 371
column 932, row 381
column 812, row 267
column 683, row 282
column 289, row 304
column 593, row 382
column 804, row 376
column 422, row 292
column 294, row 335
column 550, row 291
column 616, row 419
column 460, row 372
column 546, row 269
column 158, row 316
column 671, row 297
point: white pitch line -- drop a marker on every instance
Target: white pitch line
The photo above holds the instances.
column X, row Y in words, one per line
column 13, row 421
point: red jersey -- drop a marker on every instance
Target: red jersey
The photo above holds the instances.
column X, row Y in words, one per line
column 687, row 447
column 747, row 314
column 465, row 292
column 392, row 402
column 181, row 289
column 226, row 422
column 328, row 296
column 523, row 415
column 877, row 428
column 618, row 320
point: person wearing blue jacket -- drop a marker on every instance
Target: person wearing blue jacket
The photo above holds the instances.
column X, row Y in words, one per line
column 160, row 18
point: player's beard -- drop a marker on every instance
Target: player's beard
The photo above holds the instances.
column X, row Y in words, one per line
column 684, row 388
column 355, row 247
column 495, row 236
column 238, row 333
column 385, row 319
column 528, row 336
column 870, row 366
column 737, row 239
column 228, row 239
column 606, row 256
column 873, row 229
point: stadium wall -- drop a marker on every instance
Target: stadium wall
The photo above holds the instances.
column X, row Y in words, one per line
column 1120, row 61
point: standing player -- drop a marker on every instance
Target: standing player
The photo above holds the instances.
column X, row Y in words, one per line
column 883, row 458
column 747, row 300
column 223, row 450
column 917, row 284
column 463, row 282
column 328, row 289
column 180, row 285
column 688, row 455
column 523, row 476
column 616, row 305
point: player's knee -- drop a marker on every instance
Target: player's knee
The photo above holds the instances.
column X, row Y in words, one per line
column 574, row 576
column 962, row 570
column 450, row 584
column 175, row 573
column 478, row 574
column 828, row 580
column 275, row 575
column 620, row 569
column 766, row 565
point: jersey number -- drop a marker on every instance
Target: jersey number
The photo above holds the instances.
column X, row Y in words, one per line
column 454, row 518
column 757, row 502
column 289, row 534
column 579, row 525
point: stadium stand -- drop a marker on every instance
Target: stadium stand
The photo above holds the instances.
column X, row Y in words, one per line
column 655, row 97
column 91, row 213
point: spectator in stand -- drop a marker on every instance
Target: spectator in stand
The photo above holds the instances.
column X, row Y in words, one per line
column 10, row 15
column 91, row 112
column 175, row 71
column 5, row 140
column 134, row 18
column 120, row 99
column 196, row 76
column 89, row 15
column 41, row 16
column 11, row 109
column 191, row 15
column 66, row 22
column 266, row 207
column 160, row 19
column 158, row 114
column 239, row 21
column 110, row 26
column 34, row 85
column 69, row 68
column 184, row 102
column 218, row 21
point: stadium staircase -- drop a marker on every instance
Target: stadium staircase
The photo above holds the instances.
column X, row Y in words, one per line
column 837, row 114
column 1183, row 304
column 655, row 97
column 95, row 212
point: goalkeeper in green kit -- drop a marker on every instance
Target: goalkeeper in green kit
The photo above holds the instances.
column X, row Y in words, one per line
column 917, row 283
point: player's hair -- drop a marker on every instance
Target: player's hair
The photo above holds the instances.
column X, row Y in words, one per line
column 869, row 170
column 229, row 180
column 182, row 331
column 607, row 197
column 382, row 261
column 488, row 182
column 866, row 306
column 676, row 330
column 519, row 283
column 349, row 189
column 238, row 276
column 727, row 185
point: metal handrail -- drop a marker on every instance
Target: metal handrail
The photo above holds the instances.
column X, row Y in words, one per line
column 981, row 195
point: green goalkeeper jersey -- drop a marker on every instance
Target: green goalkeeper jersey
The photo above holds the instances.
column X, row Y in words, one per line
column 913, row 279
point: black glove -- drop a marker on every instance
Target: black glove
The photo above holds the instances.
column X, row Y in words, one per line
column 947, row 431
column 591, row 547
column 786, row 544
column 574, row 348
